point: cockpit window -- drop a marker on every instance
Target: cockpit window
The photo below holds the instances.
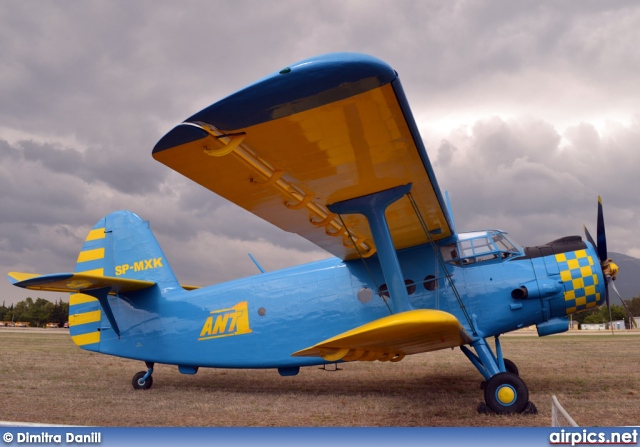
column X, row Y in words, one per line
column 479, row 247
column 503, row 243
column 482, row 245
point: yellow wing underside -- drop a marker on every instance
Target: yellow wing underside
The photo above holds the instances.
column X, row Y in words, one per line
column 287, row 170
column 392, row 337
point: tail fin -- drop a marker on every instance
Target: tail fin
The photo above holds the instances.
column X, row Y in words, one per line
column 119, row 256
column 120, row 246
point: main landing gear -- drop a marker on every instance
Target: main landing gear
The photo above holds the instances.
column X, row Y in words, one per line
column 143, row 379
column 504, row 391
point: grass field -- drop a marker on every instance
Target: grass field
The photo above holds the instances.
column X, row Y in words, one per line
column 45, row 378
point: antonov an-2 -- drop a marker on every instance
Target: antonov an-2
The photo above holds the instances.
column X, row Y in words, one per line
column 326, row 148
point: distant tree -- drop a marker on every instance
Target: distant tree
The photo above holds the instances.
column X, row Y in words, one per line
column 634, row 306
column 8, row 315
column 581, row 316
column 601, row 315
column 38, row 312
column 60, row 313
column 21, row 310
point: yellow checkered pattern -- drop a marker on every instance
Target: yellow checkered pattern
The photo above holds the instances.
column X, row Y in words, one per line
column 579, row 278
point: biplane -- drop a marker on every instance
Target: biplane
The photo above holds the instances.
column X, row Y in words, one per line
column 326, row 148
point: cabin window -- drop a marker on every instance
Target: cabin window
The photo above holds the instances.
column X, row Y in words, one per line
column 430, row 283
column 411, row 288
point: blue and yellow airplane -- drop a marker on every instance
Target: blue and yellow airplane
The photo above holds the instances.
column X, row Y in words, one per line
column 326, row 148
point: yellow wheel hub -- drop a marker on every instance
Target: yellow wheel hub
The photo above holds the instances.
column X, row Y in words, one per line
column 506, row 395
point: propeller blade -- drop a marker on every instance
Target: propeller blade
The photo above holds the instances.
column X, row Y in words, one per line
column 601, row 235
column 617, row 293
column 608, row 280
column 590, row 239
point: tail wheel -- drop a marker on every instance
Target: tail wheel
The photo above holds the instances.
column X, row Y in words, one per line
column 139, row 384
column 506, row 393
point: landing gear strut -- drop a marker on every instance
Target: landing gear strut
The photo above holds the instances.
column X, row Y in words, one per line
column 504, row 391
column 143, row 379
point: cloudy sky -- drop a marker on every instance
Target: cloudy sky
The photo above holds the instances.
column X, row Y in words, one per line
column 529, row 110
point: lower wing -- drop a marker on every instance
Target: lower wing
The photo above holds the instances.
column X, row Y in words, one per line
column 391, row 338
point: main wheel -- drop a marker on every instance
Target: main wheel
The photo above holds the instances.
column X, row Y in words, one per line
column 506, row 393
column 139, row 384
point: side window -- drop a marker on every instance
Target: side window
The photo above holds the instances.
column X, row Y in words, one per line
column 449, row 252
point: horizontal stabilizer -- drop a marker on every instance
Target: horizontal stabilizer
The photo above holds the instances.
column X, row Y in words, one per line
column 392, row 337
column 76, row 282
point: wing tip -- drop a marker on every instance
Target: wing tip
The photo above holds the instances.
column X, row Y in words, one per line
column 183, row 133
column 17, row 278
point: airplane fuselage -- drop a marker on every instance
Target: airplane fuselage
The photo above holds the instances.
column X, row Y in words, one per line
column 259, row 321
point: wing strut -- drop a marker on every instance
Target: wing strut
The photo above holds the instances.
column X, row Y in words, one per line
column 441, row 261
column 364, row 262
column 373, row 207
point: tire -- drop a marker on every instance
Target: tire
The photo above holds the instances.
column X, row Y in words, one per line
column 137, row 385
column 506, row 393
column 511, row 367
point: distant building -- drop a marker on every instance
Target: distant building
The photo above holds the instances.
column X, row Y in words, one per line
column 617, row 325
column 593, row 327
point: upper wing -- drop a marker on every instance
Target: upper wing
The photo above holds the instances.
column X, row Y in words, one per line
column 321, row 131
column 393, row 337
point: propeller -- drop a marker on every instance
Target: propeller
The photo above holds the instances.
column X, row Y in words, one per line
column 609, row 269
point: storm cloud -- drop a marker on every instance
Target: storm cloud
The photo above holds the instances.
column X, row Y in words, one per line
column 529, row 111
